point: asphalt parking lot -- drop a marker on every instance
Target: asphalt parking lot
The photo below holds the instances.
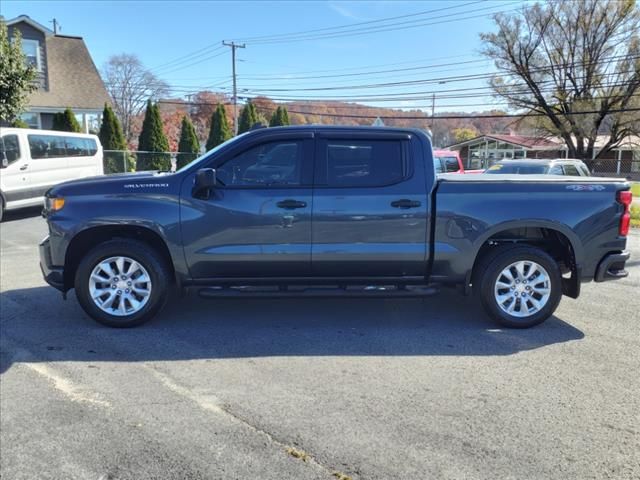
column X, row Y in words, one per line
column 305, row 389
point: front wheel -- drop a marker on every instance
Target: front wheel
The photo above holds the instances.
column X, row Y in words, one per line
column 519, row 286
column 122, row 283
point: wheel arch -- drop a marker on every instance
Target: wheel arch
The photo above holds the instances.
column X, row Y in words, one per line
column 90, row 237
column 555, row 238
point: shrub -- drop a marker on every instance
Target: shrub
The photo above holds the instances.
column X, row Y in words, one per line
column 152, row 139
column 188, row 146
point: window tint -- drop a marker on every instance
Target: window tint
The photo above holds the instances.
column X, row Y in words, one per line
column 53, row 146
column 451, row 164
column 366, row 163
column 275, row 163
column 571, row 170
column 437, row 165
column 517, row 169
column 11, row 147
column 556, row 170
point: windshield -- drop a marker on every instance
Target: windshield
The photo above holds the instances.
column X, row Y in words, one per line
column 211, row 152
column 518, row 169
column 450, row 163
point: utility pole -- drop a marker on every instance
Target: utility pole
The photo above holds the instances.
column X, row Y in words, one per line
column 433, row 121
column 56, row 26
column 233, row 46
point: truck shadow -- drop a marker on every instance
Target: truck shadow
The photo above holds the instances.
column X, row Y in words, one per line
column 37, row 325
column 21, row 214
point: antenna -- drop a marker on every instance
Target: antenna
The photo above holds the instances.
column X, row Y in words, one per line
column 56, row 26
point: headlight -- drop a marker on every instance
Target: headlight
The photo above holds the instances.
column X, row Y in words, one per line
column 53, row 204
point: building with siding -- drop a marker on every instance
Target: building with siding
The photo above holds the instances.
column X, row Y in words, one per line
column 67, row 76
column 485, row 150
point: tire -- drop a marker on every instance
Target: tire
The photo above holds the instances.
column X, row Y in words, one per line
column 131, row 306
column 526, row 299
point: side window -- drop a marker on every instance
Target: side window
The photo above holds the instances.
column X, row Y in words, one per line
column 76, row 147
column 571, row 170
column 437, row 165
column 47, row 146
column 267, row 164
column 11, row 147
column 584, row 171
column 364, row 163
column 556, row 170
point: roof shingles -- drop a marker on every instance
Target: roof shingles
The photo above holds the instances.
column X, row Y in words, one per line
column 74, row 80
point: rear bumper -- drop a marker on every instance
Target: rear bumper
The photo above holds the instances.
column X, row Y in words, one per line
column 611, row 267
column 53, row 275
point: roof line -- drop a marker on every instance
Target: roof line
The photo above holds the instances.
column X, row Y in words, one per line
column 30, row 21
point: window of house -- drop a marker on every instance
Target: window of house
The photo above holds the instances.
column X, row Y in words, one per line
column 31, row 49
column 31, row 119
column 365, row 163
column 11, row 147
column 267, row 164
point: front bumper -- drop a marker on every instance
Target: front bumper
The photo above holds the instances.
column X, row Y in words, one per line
column 611, row 267
column 53, row 275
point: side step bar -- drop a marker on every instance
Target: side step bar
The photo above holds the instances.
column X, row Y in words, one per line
column 397, row 291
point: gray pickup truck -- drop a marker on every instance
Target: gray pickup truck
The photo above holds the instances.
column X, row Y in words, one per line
column 316, row 211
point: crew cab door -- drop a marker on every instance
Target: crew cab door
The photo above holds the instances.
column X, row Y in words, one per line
column 257, row 221
column 370, row 206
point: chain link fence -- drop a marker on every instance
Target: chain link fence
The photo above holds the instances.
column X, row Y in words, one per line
column 627, row 168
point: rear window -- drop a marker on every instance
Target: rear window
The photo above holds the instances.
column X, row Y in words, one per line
column 55, row 146
column 366, row 163
column 450, row 163
column 571, row 170
column 517, row 169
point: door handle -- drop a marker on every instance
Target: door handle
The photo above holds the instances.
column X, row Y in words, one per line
column 291, row 204
column 24, row 167
column 405, row 203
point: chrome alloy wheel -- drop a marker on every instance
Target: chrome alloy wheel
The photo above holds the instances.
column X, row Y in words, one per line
column 120, row 286
column 522, row 289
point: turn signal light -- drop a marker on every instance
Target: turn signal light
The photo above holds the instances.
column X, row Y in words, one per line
column 54, row 204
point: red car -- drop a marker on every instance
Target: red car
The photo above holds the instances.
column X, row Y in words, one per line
column 449, row 161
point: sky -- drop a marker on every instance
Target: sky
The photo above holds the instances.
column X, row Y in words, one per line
column 180, row 41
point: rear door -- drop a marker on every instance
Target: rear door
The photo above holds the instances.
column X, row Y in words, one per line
column 15, row 182
column 257, row 221
column 370, row 206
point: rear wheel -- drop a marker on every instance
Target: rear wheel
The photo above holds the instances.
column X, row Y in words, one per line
column 519, row 286
column 122, row 283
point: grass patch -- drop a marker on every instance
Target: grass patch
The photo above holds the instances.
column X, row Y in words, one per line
column 635, row 216
column 302, row 455
column 635, row 189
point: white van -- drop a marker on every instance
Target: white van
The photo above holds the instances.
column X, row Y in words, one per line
column 32, row 161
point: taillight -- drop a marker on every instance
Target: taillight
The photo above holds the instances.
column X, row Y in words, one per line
column 625, row 199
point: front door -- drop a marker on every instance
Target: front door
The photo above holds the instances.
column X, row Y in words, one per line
column 257, row 222
column 370, row 208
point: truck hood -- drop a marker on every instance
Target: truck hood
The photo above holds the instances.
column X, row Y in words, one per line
column 116, row 183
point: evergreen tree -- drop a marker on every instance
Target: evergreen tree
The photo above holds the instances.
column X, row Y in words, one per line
column 188, row 146
column 16, row 75
column 279, row 118
column 220, row 131
column 112, row 138
column 152, row 139
column 66, row 122
column 248, row 117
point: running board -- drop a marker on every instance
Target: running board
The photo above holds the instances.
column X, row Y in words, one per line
column 402, row 291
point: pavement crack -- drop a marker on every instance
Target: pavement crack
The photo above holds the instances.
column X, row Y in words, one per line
column 211, row 403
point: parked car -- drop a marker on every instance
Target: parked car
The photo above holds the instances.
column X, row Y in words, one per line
column 449, row 161
column 358, row 209
column 555, row 166
column 32, row 161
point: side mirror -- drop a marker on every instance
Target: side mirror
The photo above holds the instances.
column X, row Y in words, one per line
column 4, row 162
column 205, row 180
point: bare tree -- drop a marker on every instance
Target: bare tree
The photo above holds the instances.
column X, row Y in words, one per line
column 130, row 86
column 566, row 57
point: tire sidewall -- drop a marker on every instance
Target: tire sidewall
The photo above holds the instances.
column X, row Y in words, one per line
column 141, row 254
column 498, row 264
